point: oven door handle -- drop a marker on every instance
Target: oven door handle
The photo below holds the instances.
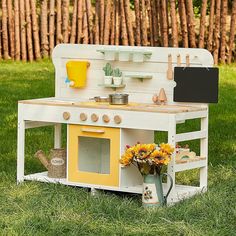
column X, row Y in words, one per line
column 97, row 131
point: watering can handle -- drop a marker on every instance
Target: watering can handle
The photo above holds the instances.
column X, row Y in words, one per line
column 171, row 185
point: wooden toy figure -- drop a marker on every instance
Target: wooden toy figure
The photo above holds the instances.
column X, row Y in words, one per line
column 162, row 96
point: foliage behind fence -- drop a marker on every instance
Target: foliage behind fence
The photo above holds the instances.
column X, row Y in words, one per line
column 30, row 29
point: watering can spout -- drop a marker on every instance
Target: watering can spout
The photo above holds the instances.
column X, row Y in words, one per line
column 41, row 156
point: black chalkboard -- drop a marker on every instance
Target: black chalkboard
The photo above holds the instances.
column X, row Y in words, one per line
column 196, row 84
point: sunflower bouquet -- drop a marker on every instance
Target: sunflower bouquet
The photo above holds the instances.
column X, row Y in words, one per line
column 149, row 158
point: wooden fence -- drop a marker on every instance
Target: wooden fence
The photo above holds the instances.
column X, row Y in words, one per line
column 29, row 29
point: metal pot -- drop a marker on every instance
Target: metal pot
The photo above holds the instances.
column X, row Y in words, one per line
column 118, row 99
column 100, row 99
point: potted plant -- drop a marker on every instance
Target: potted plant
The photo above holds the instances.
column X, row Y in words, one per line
column 149, row 159
column 117, row 76
column 108, row 74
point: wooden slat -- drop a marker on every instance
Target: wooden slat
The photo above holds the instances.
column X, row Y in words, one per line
column 190, row 165
column 191, row 136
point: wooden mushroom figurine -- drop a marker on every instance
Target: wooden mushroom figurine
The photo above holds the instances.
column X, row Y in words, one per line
column 162, row 96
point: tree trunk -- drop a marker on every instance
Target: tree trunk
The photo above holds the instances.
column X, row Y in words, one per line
column 74, row 22
column 51, row 25
column 149, row 12
column 217, row 32
column 144, row 23
column 23, row 34
column 183, row 22
column 137, row 22
column 17, row 30
column 59, row 23
column 118, row 21
column 44, row 28
column 29, row 31
column 4, row 30
column 85, row 24
column 124, row 35
column 11, row 29
column 202, row 24
column 159, row 11
column 211, row 26
column 80, row 21
column 129, row 22
column 102, row 19
column 107, row 22
column 164, row 23
column 232, row 31
column 224, row 13
column 65, row 20
column 174, row 24
column 35, row 30
column 96, row 28
column 191, row 25
column 90, row 20
column 113, row 23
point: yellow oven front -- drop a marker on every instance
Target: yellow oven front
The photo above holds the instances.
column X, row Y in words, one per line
column 93, row 155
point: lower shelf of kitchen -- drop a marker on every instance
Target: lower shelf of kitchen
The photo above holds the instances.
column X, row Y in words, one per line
column 181, row 191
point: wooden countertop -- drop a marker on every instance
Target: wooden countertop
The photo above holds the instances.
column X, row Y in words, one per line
column 142, row 107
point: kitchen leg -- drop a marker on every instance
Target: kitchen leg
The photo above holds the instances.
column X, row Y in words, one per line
column 57, row 136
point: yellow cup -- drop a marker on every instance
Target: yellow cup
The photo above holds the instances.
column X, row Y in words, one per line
column 77, row 73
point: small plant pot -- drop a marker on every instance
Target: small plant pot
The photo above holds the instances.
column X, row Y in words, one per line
column 117, row 80
column 107, row 80
column 109, row 56
column 123, row 56
column 138, row 57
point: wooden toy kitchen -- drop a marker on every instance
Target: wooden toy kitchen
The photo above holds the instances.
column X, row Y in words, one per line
column 97, row 132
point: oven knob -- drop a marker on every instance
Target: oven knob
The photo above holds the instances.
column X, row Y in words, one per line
column 83, row 117
column 66, row 115
column 117, row 119
column 94, row 117
column 106, row 118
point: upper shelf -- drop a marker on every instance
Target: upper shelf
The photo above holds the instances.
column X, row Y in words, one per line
column 135, row 55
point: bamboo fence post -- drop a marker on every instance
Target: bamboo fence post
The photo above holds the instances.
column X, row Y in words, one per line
column 201, row 40
column 217, row 32
column 118, row 22
column 174, row 24
column 129, row 22
column 149, row 13
column 11, row 29
column 211, row 26
column 44, row 29
column 144, row 23
column 223, row 17
column 113, row 22
column 23, row 29
column 90, row 20
column 29, row 31
column 65, row 20
column 5, row 31
column 107, row 22
column 74, row 22
column 183, row 23
column 35, row 29
column 164, row 24
column 102, row 19
column 59, row 36
column 191, row 25
column 124, row 35
column 155, row 24
column 17, row 30
column 51, row 25
column 80, row 21
column 96, row 26
column 85, row 24
column 137, row 22
column 232, row 31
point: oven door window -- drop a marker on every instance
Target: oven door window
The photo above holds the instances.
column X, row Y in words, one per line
column 94, row 155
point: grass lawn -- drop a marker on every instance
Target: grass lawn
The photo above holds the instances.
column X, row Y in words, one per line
column 34, row 208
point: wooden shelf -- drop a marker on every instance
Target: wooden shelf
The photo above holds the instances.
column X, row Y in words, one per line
column 137, row 75
column 113, row 86
column 197, row 162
